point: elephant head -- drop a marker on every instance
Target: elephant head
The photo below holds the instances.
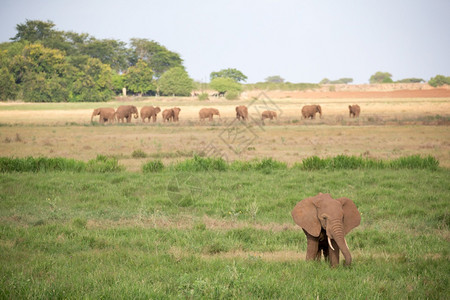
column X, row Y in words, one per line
column 96, row 112
column 319, row 110
column 336, row 217
column 134, row 111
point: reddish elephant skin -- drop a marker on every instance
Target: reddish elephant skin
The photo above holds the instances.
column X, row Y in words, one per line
column 107, row 114
column 149, row 112
column 325, row 222
column 268, row 114
column 125, row 112
column 354, row 110
column 242, row 112
column 208, row 113
column 309, row 111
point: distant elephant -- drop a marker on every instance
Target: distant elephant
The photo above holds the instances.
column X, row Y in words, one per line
column 354, row 111
column 309, row 111
column 149, row 112
column 176, row 113
column 208, row 113
column 268, row 114
column 326, row 221
column 107, row 114
column 171, row 114
column 124, row 112
column 242, row 112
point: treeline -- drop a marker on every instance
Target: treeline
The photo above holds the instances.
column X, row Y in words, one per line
column 42, row 64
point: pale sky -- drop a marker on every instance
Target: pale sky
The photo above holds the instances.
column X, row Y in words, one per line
column 299, row 40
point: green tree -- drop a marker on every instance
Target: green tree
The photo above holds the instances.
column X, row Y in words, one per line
column 439, row 80
column 176, row 81
column 274, row 79
column 381, row 77
column 93, row 81
column 155, row 55
column 139, row 79
column 8, row 86
column 42, row 73
column 234, row 74
column 225, row 84
column 111, row 52
column 34, row 31
column 411, row 80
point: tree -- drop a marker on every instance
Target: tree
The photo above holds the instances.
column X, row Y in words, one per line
column 34, row 31
column 381, row 77
column 439, row 80
column 93, row 82
column 225, row 84
column 110, row 52
column 139, row 79
column 274, row 79
column 234, row 74
column 155, row 55
column 176, row 81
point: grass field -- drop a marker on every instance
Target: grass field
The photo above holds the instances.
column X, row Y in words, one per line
column 222, row 234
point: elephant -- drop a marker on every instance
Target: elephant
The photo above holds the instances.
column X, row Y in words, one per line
column 325, row 222
column 309, row 111
column 149, row 112
column 354, row 110
column 107, row 114
column 268, row 114
column 242, row 112
column 171, row 114
column 125, row 112
column 208, row 113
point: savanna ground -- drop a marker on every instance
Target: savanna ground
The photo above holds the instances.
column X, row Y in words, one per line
column 223, row 234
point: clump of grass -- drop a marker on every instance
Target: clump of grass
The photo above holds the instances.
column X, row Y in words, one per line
column 138, row 154
column 153, row 166
column 40, row 164
column 345, row 162
column 198, row 163
column 104, row 164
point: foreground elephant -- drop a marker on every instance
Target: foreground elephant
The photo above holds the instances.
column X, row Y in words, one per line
column 124, row 112
column 354, row 110
column 208, row 113
column 107, row 114
column 268, row 114
column 309, row 111
column 171, row 114
column 325, row 222
column 242, row 112
column 149, row 112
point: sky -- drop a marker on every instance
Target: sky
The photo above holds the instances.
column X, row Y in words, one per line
column 299, row 40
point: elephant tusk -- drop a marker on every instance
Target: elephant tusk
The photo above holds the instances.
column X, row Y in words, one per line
column 346, row 243
column 329, row 243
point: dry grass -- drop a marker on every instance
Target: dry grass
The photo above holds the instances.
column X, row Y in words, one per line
column 387, row 128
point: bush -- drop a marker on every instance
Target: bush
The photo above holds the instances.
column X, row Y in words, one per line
column 40, row 164
column 153, row 166
column 203, row 96
column 232, row 95
column 439, row 80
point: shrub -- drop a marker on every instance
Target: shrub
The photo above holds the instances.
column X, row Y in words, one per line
column 203, row 96
column 439, row 80
column 40, row 164
column 232, row 95
column 153, row 166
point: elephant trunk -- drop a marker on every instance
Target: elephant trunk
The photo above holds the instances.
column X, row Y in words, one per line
column 336, row 232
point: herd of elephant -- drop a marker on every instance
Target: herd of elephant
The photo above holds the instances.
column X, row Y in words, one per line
column 124, row 113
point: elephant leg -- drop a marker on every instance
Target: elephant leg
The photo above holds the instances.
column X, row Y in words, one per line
column 334, row 254
column 312, row 247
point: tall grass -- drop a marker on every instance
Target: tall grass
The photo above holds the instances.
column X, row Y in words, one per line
column 43, row 164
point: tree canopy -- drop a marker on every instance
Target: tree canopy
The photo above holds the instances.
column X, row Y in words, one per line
column 225, row 84
column 43, row 64
column 439, row 80
column 381, row 77
column 175, row 81
column 234, row 74
column 274, row 79
column 339, row 81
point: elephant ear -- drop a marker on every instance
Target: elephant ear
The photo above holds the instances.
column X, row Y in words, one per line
column 352, row 217
column 305, row 216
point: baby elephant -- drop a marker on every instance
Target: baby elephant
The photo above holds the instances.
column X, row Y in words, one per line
column 354, row 111
column 268, row 114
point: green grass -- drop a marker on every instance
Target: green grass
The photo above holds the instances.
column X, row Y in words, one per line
column 121, row 235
